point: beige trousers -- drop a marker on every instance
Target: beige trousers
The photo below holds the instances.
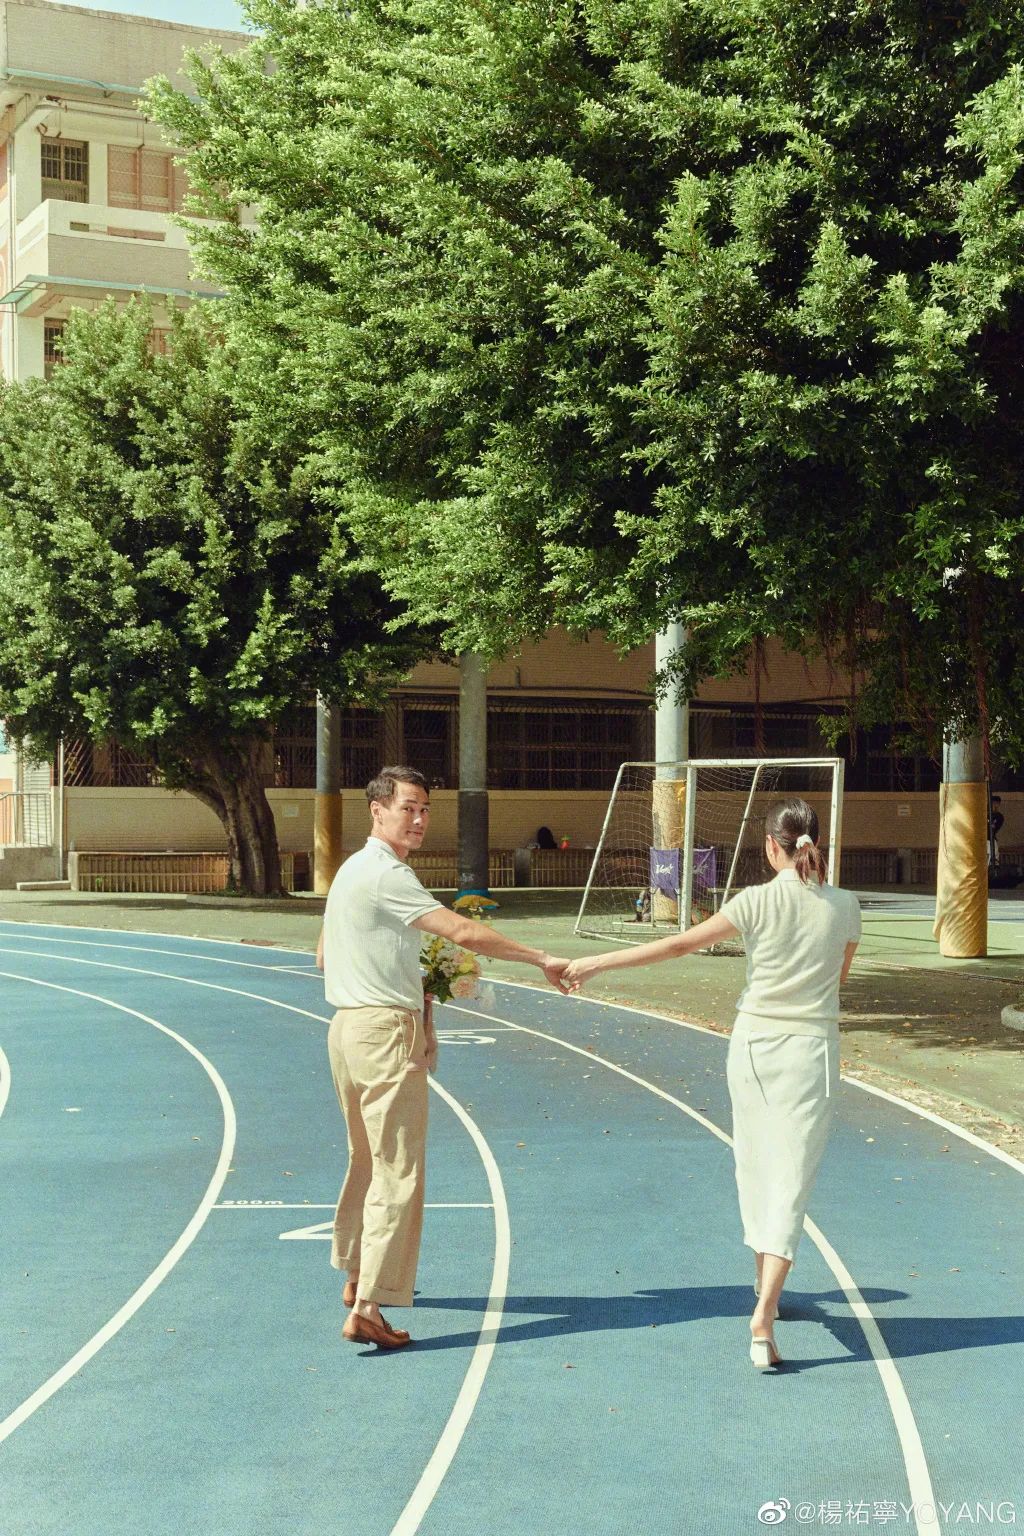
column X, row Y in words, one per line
column 378, row 1061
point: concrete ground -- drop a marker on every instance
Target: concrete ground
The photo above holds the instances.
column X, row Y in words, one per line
column 919, row 1026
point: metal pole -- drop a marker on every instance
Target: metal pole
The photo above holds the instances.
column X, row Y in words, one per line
column 835, row 824
column 739, row 835
column 600, row 846
column 59, row 818
column 686, row 873
column 474, row 828
column 672, row 717
column 327, row 806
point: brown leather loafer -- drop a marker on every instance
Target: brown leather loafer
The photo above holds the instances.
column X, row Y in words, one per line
column 348, row 1295
column 363, row 1330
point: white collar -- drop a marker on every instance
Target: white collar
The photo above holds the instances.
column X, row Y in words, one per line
column 380, row 843
column 791, row 874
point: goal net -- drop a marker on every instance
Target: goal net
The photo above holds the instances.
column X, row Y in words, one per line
column 680, row 838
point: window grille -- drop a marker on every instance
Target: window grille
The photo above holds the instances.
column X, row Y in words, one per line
column 52, row 332
column 362, row 742
column 145, row 178
column 429, row 735
column 108, row 765
column 539, row 744
column 65, row 167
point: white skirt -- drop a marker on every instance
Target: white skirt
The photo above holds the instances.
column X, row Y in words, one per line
column 783, row 1091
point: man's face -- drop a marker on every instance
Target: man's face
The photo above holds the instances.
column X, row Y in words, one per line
column 404, row 822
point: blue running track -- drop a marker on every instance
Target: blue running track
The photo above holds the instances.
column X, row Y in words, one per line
column 170, row 1353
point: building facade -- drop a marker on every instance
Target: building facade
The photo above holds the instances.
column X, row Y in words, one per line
column 87, row 186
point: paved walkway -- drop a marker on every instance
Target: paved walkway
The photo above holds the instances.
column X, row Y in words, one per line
column 926, row 1028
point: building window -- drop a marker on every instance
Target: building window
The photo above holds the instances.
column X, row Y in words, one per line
column 880, row 765
column 429, row 735
column 145, row 178
column 65, row 165
column 108, row 765
column 540, row 745
column 52, row 332
column 362, row 733
column 785, row 734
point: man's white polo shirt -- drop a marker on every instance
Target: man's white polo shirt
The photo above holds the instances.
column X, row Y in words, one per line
column 371, row 954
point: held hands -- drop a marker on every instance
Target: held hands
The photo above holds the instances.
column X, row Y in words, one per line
column 554, row 971
column 578, row 972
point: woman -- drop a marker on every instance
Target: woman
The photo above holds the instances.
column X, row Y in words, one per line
column 800, row 936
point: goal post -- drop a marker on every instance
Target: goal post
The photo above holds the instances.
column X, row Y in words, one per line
column 679, row 838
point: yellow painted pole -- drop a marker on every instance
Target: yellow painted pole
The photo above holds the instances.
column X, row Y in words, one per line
column 961, row 893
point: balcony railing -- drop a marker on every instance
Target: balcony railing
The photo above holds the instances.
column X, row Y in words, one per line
column 25, row 820
column 58, row 217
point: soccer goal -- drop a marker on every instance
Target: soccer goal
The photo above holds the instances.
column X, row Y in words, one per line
column 680, row 838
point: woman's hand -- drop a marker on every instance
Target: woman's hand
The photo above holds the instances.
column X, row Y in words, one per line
column 578, row 972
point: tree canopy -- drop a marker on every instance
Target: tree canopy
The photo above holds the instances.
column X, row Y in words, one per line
column 619, row 311
column 168, row 577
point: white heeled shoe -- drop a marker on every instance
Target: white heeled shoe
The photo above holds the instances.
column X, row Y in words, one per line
column 763, row 1354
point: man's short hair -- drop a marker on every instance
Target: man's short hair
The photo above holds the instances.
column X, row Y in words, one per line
column 382, row 788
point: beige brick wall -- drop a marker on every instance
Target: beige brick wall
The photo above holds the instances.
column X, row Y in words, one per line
column 115, row 261
column 557, row 665
column 564, row 667
column 156, row 820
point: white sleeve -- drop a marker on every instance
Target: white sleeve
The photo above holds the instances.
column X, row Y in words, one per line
column 737, row 911
column 402, row 895
column 855, row 928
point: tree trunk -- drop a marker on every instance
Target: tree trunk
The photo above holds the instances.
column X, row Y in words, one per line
column 228, row 778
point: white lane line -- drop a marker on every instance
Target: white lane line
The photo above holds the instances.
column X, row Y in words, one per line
column 189, row 981
column 175, row 954
column 61, row 1377
column 947, row 1125
column 5, row 1080
column 462, row 1410
column 914, row 1460
column 412, row 1515
column 716, row 1034
column 279, row 1205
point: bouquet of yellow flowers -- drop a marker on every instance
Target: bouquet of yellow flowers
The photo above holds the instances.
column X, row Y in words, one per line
column 448, row 971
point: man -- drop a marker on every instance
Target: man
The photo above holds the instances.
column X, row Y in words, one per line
column 381, row 1043
column 995, row 826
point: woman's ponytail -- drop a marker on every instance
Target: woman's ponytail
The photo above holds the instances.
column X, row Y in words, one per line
column 794, row 826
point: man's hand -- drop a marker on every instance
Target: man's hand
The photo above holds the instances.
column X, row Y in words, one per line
column 553, row 969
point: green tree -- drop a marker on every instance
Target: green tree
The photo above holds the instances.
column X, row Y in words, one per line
column 168, row 577
column 631, row 310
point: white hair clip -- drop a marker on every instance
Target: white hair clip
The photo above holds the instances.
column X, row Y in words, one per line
column 804, row 838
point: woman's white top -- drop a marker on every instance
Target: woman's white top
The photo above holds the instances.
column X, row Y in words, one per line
column 795, row 936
